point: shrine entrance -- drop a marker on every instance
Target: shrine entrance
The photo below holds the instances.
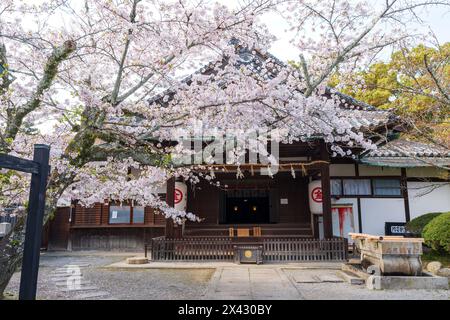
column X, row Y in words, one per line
column 247, row 207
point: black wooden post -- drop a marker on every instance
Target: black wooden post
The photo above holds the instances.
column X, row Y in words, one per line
column 326, row 193
column 33, row 234
column 404, row 189
column 170, row 199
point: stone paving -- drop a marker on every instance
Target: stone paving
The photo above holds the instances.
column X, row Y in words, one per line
column 95, row 276
column 277, row 282
column 250, row 283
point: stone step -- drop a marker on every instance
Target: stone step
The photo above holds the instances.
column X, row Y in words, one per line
column 81, row 288
column 67, row 271
column 356, row 269
column 91, row 295
column 59, row 279
column 64, row 283
column 350, row 277
column 66, row 275
column 80, row 265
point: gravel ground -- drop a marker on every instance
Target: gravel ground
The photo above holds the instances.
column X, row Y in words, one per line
column 104, row 283
column 345, row 291
column 99, row 282
column 153, row 284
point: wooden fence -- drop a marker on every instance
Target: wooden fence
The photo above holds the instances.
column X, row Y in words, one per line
column 275, row 249
column 301, row 249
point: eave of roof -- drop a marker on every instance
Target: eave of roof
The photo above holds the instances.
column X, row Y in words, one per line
column 405, row 153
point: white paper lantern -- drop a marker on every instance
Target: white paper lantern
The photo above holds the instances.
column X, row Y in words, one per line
column 315, row 197
column 180, row 195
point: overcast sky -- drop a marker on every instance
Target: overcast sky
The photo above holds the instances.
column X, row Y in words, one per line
column 434, row 18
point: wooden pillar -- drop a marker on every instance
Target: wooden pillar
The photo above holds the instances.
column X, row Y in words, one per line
column 170, row 199
column 404, row 189
column 326, row 202
column 326, row 192
column 358, row 202
column 34, row 223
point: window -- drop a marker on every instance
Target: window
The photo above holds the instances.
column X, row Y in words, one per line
column 386, row 187
column 336, row 187
column 126, row 214
column 138, row 214
column 357, row 187
column 119, row 214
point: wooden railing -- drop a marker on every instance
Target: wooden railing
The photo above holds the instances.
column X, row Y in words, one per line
column 300, row 249
column 192, row 249
column 275, row 249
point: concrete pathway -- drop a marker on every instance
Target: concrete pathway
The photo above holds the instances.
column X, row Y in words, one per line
column 242, row 283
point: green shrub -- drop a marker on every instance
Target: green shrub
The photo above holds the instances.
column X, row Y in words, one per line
column 437, row 233
column 416, row 225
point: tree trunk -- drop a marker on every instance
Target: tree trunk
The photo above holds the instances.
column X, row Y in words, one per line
column 11, row 246
column 11, row 249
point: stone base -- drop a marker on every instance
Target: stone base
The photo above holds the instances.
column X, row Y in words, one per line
column 137, row 260
column 356, row 269
column 350, row 277
column 427, row 281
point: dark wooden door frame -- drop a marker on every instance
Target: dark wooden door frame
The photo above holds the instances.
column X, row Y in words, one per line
column 39, row 169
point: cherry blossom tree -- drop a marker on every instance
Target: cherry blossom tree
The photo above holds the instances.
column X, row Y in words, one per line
column 82, row 67
column 105, row 84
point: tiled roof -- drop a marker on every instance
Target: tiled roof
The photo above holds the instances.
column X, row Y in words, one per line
column 406, row 148
column 361, row 115
column 405, row 153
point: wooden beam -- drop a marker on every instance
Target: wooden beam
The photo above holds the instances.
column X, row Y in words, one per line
column 35, row 218
column 19, row 164
column 358, row 201
column 360, row 227
column 404, row 189
column 170, row 200
column 326, row 192
column 251, row 167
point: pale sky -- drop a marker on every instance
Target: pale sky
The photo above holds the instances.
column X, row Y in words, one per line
column 433, row 17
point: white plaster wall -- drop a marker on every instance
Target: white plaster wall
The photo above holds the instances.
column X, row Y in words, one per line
column 425, row 197
column 345, row 170
column 354, row 203
column 426, row 172
column 378, row 171
column 375, row 212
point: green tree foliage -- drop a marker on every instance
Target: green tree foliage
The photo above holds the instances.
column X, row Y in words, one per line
column 415, row 83
column 416, row 225
column 437, row 233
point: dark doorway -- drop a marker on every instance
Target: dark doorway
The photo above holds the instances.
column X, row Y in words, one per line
column 247, row 206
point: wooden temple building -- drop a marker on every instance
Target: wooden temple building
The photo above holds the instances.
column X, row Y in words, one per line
column 304, row 212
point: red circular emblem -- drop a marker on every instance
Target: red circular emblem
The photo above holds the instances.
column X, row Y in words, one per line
column 316, row 194
column 178, row 196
